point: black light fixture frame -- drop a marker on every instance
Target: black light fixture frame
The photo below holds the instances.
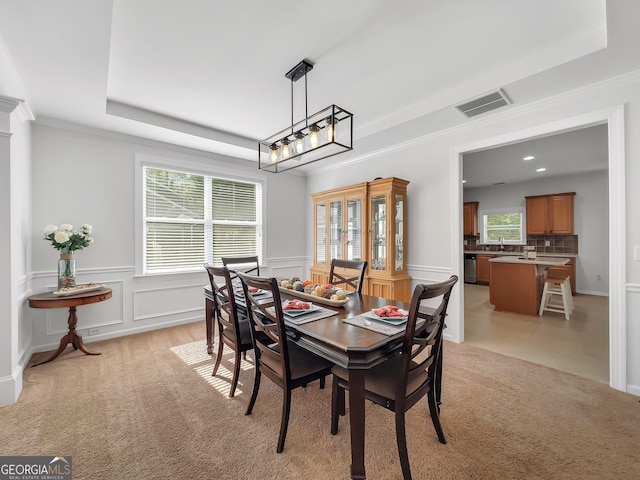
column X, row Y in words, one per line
column 318, row 122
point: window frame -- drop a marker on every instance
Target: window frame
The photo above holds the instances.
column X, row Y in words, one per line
column 179, row 165
column 497, row 211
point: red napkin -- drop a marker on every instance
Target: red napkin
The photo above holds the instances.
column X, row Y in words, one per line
column 389, row 311
column 296, row 305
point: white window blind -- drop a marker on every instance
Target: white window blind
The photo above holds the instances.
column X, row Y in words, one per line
column 191, row 219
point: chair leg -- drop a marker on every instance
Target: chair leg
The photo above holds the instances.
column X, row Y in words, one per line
column 435, row 416
column 254, row 392
column 544, row 300
column 337, row 405
column 236, row 374
column 322, row 382
column 218, row 357
column 286, row 408
column 401, row 439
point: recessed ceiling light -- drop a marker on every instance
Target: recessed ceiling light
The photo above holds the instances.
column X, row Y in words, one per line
column 542, row 169
column 464, row 181
column 528, row 157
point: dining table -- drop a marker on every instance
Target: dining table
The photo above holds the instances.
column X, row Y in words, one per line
column 353, row 346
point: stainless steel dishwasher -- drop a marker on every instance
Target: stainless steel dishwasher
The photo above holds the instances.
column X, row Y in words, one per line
column 469, row 268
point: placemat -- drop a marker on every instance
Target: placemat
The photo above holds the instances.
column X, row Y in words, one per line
column 374, row 325
column 319, row 314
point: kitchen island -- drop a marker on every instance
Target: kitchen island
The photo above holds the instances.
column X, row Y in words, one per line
column 516, row 282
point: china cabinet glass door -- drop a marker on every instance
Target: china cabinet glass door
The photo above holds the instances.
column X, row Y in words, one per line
column 399, row 229
column 378, row 232
column 335, row 231
column 321, row 234
column 354, row 229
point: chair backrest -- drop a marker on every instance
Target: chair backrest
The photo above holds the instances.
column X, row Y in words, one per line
column 271, row 349
column 224, row 298
column 347, row 273
column 243, row 264
column 422, row 344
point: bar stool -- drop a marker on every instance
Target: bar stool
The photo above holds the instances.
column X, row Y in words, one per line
column 559, row 287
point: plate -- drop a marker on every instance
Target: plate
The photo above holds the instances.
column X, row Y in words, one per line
column 392, row 320
column 239, row 291
column 88, row 287
column 297, row 313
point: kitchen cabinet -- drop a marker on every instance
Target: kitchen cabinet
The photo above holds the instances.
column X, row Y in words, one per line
column 550, row 214
column 366, row 221
column 483, row 268
column 568, row 270
column 470, row 216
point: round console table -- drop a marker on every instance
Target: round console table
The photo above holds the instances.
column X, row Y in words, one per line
column 49, row 300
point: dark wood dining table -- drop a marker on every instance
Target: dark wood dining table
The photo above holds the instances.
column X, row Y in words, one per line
column 352, row 347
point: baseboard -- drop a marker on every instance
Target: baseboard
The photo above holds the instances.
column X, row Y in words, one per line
column 11, row 387
column 589, row 292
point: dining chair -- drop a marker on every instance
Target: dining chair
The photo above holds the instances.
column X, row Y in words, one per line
column 248, row 264
column 400, row 382
column 347, row 273
column 286, row 364
column 233, row 329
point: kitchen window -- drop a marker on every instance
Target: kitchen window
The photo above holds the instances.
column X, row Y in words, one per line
column 502, row 226
column 190, row 218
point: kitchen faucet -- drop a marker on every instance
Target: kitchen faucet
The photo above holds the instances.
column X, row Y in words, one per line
column 501, row 240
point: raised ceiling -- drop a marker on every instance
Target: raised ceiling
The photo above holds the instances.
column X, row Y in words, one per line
column 567, row 153
column 210, row 75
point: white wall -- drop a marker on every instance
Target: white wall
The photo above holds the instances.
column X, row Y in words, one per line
column 86, row 176
column 435, row 195
column 591, row 218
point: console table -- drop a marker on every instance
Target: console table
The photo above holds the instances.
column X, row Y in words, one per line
column 49, row 300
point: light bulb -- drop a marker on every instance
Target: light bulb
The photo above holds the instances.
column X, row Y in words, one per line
column 286, row 153
column 299, row 143
column 314, row 139
column 274, row 153
column 332, row 123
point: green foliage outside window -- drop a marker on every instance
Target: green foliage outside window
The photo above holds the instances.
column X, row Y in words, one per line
column 505, row 225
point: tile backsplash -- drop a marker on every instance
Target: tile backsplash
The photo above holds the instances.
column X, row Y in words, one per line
column 557, row 244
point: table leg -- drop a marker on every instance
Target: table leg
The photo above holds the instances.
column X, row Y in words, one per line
column 70, row 338
column 356, row 417
column 208, row 320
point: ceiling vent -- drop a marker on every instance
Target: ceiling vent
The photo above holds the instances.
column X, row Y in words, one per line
column 483, row 104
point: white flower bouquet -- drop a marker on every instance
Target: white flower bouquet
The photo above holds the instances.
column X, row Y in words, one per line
column 66, row 239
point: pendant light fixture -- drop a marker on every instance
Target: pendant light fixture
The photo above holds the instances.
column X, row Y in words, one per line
column 321, row 135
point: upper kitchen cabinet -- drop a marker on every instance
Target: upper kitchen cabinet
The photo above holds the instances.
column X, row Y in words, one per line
column 550, row 214
column 470, row 215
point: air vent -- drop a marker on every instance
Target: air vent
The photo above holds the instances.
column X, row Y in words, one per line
column 483, row 104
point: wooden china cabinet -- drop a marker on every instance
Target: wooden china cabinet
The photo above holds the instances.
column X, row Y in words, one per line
column 365, row 221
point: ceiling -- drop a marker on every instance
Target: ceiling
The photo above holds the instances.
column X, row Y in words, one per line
column 211, row 75
column 567, row 153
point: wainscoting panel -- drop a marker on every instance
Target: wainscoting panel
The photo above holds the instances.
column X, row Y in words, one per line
column 168, row 302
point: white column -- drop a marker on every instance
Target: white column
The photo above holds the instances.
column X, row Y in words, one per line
column 10, row 374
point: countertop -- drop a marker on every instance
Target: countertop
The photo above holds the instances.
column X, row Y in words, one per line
column 543, row 260
column 520, row 254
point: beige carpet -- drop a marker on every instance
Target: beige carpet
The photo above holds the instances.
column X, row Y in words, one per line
column 148, row 408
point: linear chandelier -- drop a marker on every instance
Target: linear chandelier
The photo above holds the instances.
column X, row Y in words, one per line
column 321, row 135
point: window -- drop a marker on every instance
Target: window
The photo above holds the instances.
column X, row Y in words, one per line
column 505, row 224
column 190, row 219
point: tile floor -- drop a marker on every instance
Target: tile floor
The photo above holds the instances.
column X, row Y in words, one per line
column 579, row 346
